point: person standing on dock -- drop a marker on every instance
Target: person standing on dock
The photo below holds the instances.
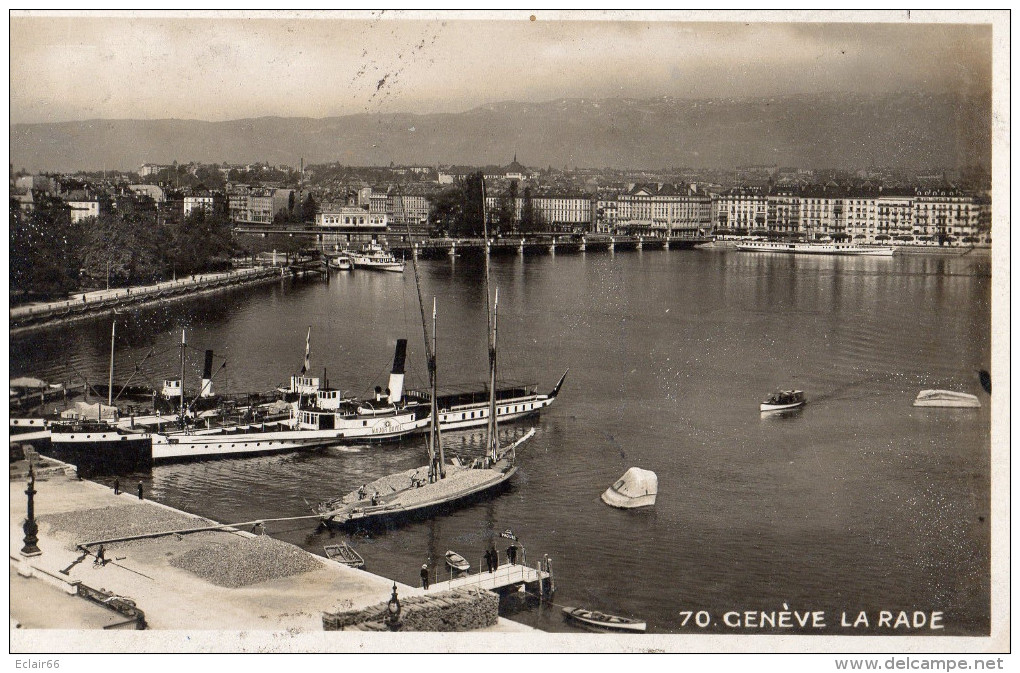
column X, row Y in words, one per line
column 116, row 486
column 425, row 576
column 100, row 556
column 141, row 493
column 511, row 553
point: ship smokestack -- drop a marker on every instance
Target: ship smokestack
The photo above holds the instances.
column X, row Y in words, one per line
column 396, row 386
column 207, row 375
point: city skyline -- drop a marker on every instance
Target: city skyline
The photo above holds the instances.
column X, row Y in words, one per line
column 218, row 66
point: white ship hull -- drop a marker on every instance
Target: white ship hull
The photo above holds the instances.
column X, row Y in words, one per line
column 181, row 446
column 780, row 407
column 101, row 450
column 397, row 267
column 471, row 416
column 817, row 248
column 946, row 398
column 221, row 442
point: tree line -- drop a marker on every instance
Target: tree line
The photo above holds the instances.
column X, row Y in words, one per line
column 458, row 211
column 131, row 244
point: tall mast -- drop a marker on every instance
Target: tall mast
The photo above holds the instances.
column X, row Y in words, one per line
column 437, row 444
column 435, row 437
column 492, row 441
column 113, row 333
column 493, row 429
column 184, row 345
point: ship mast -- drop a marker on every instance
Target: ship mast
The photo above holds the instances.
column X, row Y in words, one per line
column 113, row 334
column 184, row 344
column 435, row 444
column 435, row 439
column 492, row 441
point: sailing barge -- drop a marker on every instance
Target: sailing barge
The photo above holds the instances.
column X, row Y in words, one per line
column 439, row 485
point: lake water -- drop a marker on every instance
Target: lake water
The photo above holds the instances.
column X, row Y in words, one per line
column 857, row 502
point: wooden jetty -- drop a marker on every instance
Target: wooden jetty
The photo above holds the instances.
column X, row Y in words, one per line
column 506, row 576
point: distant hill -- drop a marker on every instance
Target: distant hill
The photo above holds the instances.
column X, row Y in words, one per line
column 826, row 130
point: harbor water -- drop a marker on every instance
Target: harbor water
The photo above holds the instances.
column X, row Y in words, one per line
column 859, row 502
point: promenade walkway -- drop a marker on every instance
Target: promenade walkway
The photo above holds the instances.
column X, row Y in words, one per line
column 101, row 300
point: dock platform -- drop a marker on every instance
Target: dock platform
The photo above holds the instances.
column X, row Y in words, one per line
column 505, row 576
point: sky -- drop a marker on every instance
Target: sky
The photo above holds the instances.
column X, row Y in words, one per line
column 229, row 65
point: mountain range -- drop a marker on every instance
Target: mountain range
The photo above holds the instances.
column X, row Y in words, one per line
column 827, row 130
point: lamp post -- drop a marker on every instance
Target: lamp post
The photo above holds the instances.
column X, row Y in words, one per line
column 393, row 611
column 31, row 528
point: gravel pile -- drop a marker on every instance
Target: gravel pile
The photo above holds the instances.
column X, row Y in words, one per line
column 103, row 523
column 240, row 562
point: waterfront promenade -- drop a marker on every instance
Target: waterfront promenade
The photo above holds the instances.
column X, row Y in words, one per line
column 227, row 580
column 98, row 301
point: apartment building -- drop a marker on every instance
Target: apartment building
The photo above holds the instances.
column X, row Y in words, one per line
column 740, row 210
column 659, row 209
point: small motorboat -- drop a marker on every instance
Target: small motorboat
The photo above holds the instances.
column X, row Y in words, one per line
column 604, row 621
column 782, row 400
column 340, row 263
column 946, row 398
column 344, row 554
column 457, row 562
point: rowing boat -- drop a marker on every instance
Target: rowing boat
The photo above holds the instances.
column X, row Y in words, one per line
column 343, row 553
column 602, row 620
column 457, row 562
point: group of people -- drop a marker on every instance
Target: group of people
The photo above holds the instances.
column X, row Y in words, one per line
column 491, row 559
column 491, row 562
column 362, row 495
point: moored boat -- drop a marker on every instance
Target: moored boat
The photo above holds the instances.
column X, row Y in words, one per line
column 831, row 248
column 782, row 400
column 376, row 258
column 457, row 562
column 317, row 417
column 440, row 485
column 344, row 554
column 99, row 447
column 603, row 620
column 946, row 398
column 341, row 263
column 469, row 408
